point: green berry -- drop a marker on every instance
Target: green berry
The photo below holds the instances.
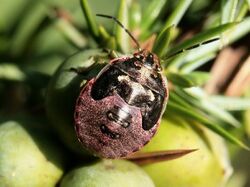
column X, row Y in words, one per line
column 64, row 89
column 108, row 173
column 28, row 157
column 207, row 167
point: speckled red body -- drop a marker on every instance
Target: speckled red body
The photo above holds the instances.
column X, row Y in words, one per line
column 119, row 111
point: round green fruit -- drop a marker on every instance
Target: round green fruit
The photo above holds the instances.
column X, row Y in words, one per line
column 207, row 167
column 111, row 173
column 28, row 157
column 64, row 89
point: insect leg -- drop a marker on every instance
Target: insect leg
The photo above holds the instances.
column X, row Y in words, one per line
column 81, row 70
column 111, row 53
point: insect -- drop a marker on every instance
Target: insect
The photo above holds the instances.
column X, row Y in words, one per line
column 119, row 110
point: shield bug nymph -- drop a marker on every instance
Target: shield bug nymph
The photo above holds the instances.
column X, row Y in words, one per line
column 119, row 111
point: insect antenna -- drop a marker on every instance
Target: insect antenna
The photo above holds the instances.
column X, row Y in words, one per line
column 191, row 47
column 120, row 24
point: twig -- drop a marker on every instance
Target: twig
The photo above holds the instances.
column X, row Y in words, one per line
column 223, row 68
column 241, row 81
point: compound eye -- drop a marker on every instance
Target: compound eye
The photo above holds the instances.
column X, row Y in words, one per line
column 150, row 55
column 139, row 57
column 150, row 60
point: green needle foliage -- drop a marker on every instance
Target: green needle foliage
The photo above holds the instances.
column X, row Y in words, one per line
column 121, row 36
column 178, row 13
column 162, row 41
column 90, row 19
